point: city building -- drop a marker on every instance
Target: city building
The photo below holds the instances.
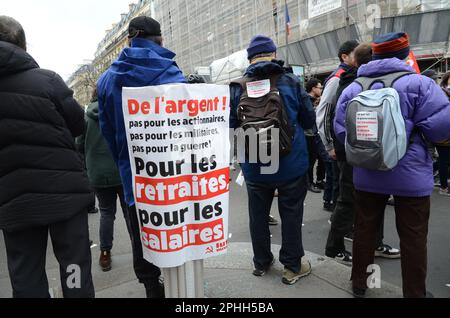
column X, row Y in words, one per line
column 212, row 35
column 116, row 38
column 83, row 81
column 201, row 32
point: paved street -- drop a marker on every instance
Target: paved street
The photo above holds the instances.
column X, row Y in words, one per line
column 218, row 278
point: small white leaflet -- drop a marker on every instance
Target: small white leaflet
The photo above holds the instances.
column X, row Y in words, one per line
column 367, row 126
column 258, row 89
column 240, row 179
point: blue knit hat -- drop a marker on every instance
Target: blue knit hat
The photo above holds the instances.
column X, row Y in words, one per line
column 261, row 44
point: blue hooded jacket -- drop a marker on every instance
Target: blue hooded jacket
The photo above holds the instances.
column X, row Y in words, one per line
column 301, row 116
column 145, row 63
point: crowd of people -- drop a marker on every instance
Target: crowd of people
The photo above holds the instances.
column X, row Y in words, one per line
column 43, row 131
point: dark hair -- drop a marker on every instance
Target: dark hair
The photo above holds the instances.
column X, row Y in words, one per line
column 445, row 79
column 154, row 38
column 347, row 48
column 313, row 82
column 363, row 54
column 12, row 32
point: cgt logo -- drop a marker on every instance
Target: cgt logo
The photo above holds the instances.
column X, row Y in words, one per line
column 221, row 246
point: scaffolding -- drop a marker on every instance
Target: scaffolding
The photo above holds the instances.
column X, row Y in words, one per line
column 201, row 32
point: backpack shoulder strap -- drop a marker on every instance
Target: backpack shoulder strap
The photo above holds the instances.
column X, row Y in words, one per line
column 274, row 79
column 242, row 82
column 387, row 80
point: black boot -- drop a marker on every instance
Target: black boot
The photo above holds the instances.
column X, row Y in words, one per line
column 155, row 290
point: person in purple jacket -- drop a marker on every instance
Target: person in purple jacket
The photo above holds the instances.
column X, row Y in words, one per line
column 427, row 110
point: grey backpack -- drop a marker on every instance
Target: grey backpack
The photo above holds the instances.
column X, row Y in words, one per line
column 376, row 130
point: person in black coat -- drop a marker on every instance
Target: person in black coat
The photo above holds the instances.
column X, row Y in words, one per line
column 43, row 186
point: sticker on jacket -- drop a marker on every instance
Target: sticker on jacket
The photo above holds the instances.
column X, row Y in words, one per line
column 258, row 89
column 367, row 126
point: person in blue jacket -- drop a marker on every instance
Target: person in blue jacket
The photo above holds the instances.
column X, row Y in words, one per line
column 144, row 63
column 290, row 179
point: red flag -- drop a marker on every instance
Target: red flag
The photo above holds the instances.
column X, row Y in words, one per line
column 412, row 61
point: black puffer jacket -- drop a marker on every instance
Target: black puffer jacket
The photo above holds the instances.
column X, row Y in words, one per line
column 42, row 180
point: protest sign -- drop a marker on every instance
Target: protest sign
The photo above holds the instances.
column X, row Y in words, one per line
column 178, row 140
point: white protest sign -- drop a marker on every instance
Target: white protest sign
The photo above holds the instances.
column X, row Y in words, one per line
column 258, row 89
column 319, row 7
column 367, row 126
column 178, row 140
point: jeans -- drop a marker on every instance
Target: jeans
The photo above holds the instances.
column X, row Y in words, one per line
column 147, row 273
column 26, row 254
column 444, row 165
column 412, row 218
column 291, row 197
column 107, row 198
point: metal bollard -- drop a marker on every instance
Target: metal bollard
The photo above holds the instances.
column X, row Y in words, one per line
column 186, row 281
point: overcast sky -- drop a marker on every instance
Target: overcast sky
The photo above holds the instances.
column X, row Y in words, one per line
column 62, row 34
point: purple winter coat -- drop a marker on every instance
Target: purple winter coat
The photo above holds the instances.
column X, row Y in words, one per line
column 425, row 106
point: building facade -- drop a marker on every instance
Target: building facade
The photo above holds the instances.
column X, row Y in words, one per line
column 116, row 38
column 201, row 32
column 83, row 81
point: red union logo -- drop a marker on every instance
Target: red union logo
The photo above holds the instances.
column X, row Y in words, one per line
column 221, row 246
column 210, row 250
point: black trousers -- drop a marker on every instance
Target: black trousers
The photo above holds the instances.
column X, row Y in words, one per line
column 317, row 153
column 26, row 253
column 412, row 219
column 147, row 273
column 291, row 200
column 343, row 218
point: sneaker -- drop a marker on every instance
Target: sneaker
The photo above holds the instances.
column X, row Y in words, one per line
column 328, row 206
column 349, row 237
column 385, row 251
column 330, row 221
column 312, row 188
column 105, row 261
column 445, row 192
column 320, row 185
column 290, row 278
column 359, row 293
column 344, row 258
column 155, row 290
column 391, row 201
column 437, row 182
column 93, row 211
column 262, row 272
column 272, row 221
